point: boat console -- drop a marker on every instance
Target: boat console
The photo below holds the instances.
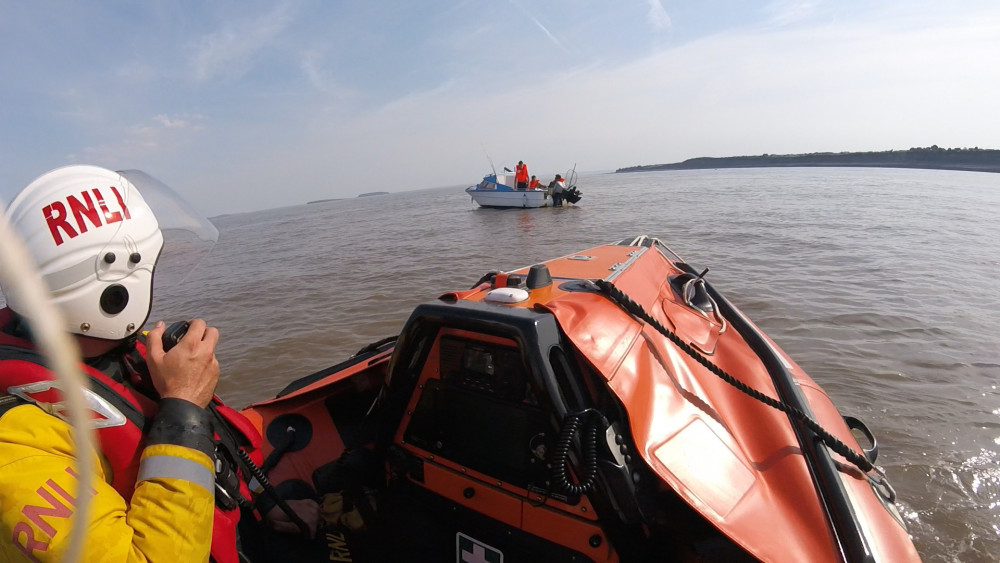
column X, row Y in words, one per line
column 481, row 414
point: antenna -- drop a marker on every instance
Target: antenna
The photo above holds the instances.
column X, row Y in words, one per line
column 493, row 168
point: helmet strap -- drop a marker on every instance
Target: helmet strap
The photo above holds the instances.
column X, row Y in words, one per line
column 18, row 327
column 136, row 370
column 125, row 364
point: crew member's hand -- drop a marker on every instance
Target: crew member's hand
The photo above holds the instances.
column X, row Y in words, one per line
column 306, row 509
column 189, row 370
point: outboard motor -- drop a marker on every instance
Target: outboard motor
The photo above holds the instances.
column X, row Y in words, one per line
column 572, row 194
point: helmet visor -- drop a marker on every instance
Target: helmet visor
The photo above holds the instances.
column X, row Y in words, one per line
column 188, row 237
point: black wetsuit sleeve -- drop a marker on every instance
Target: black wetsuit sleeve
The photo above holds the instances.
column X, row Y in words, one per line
column 183, row 423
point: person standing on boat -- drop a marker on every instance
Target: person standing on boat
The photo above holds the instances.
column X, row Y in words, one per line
column 521, row 175
column 169, row 483
column 557, row 186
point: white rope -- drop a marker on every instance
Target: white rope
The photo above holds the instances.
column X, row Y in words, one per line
column 19, row 274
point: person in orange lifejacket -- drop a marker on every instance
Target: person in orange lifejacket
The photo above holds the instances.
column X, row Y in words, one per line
column 521, row 175
column 533, row 183
column 165, row 459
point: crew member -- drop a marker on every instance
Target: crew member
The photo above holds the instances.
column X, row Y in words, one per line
column 521, row 175
column 557, row 185
column 533, row 183
column 172, row 473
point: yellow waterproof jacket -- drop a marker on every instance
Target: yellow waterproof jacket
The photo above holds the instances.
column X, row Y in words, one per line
column 169, row 517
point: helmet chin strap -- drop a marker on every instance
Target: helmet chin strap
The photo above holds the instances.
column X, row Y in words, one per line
column 131, row 370
column 136, row 370
column 125, row 364
column 18, row 327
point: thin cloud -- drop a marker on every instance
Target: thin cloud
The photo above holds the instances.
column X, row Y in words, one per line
column 137, row 143
column 555, row 40
column 169, row 122
column 548, row 34
column 230, row 50
column 787, row 12
column 658, row 16
column 311, row 64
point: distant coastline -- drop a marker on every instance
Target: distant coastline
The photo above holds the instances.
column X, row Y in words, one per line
column 934, row 157
column 369, row 194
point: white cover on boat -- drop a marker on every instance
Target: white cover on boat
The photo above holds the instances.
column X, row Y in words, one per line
column 507, row 295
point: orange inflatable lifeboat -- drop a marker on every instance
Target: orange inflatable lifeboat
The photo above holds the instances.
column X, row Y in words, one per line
column 608, row 405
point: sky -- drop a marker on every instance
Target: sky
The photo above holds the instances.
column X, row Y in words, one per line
column 243, row 105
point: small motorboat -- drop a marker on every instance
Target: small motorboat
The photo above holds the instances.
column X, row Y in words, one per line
column 500, row 191
column 609, row 405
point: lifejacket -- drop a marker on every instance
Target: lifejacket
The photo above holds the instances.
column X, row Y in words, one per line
column 534, row 183
column 521, row 173
column 121, row 430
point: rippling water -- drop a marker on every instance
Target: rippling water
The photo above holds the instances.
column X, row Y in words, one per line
column 884, row 285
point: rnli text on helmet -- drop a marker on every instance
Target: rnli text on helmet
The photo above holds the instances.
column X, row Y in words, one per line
column 57, row 218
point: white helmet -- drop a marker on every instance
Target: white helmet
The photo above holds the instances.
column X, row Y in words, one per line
column 96, row 241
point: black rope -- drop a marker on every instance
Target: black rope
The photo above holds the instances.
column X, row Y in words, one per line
column 486, row 277
column 830, row 440
column 376, row 345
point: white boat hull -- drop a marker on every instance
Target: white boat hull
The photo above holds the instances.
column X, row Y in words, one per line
column 512, row 198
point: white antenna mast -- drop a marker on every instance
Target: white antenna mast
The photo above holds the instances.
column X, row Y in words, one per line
column 493, row 168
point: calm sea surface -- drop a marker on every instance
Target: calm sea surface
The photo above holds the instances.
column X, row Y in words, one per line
column 883, row 284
